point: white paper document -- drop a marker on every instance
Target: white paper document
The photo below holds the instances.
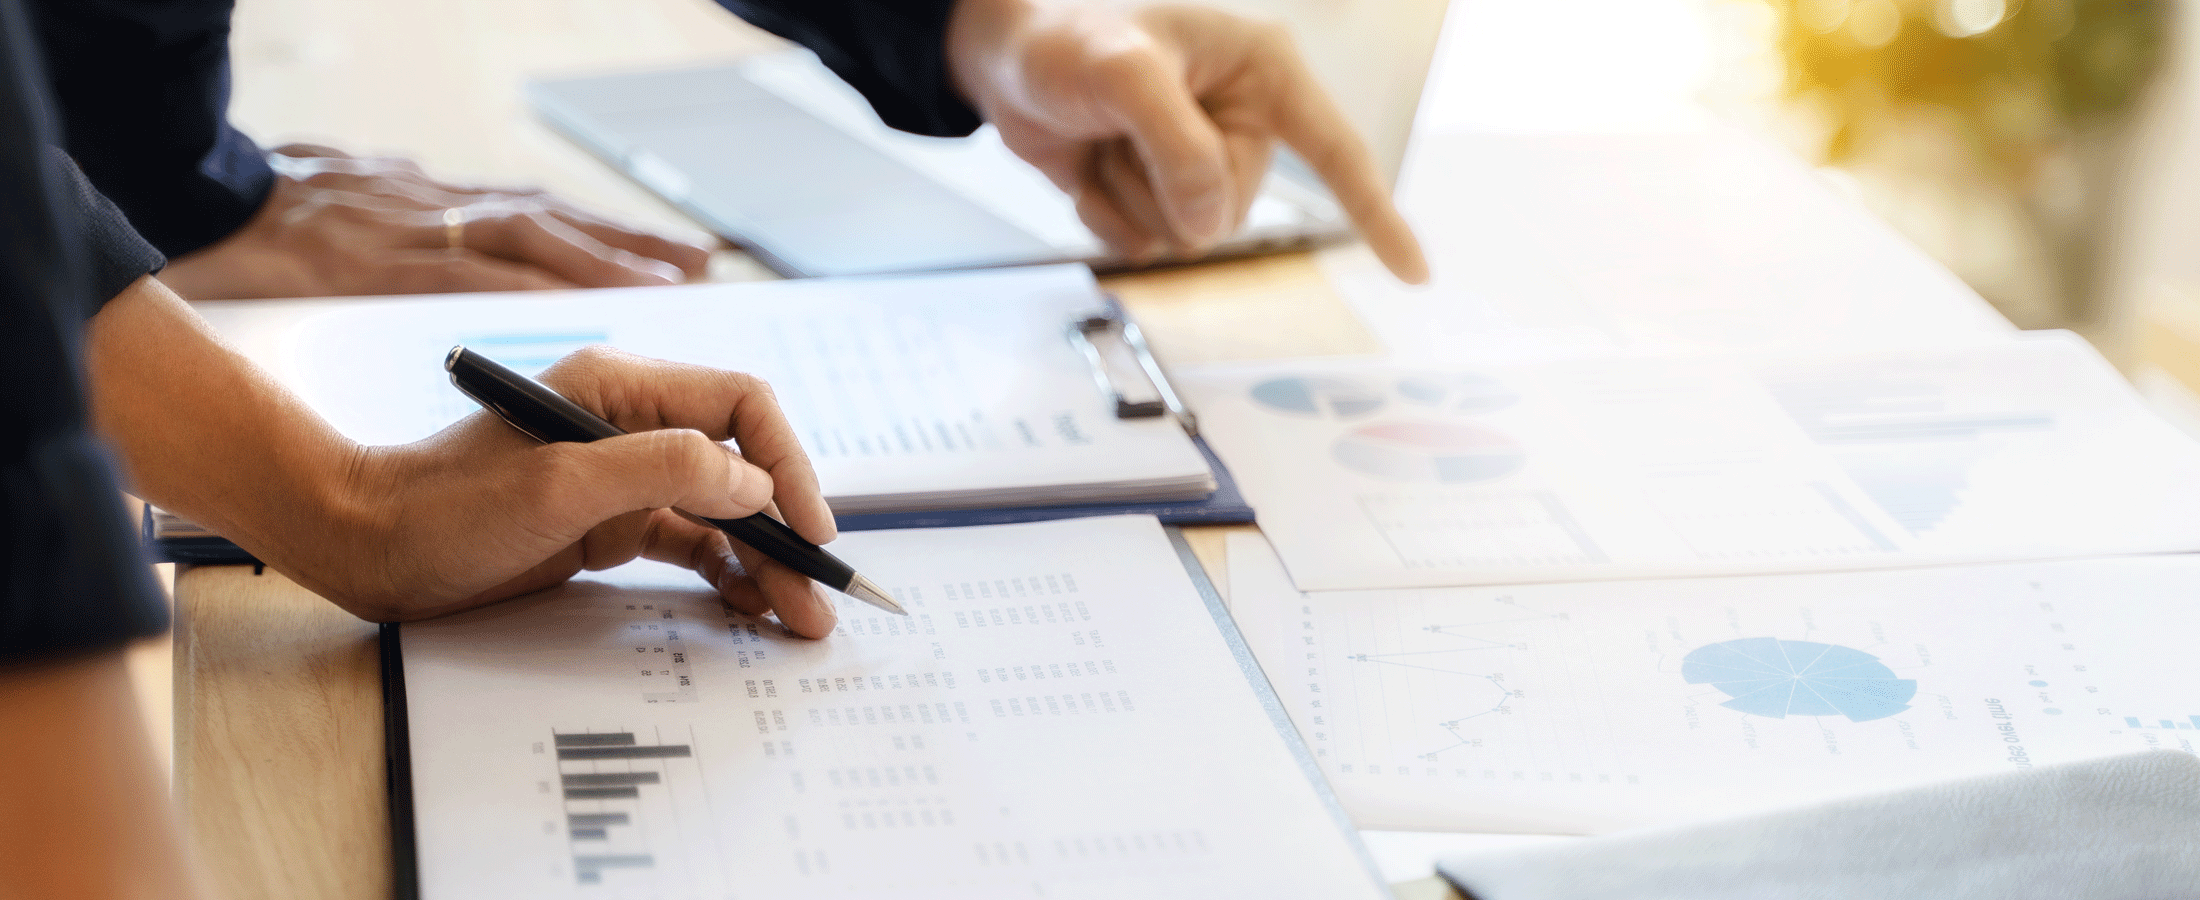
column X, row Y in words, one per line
column 1552, row 246
column 1370, row 475
column 908, row 393
column 1590, row 707
column 1062, row 715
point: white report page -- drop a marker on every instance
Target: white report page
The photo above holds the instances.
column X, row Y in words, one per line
column 1062, row 715
column 1375, row 475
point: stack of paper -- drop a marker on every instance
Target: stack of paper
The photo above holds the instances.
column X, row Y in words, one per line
column 1672, row 357
column 941, row 392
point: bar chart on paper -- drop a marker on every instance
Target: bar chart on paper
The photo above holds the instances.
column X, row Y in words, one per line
column 602, row 777
column 1590, row 706
column 1060, row 715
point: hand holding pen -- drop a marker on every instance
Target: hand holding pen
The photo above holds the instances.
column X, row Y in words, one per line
column 553, row 419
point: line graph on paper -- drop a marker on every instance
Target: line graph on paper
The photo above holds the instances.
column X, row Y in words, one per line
column 1439, row 688
column 1480, row 691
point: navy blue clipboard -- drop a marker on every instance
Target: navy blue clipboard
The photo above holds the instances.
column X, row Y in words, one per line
column 1226, row 506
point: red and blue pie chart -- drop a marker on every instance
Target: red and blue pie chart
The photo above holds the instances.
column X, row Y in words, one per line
column 1440, row 452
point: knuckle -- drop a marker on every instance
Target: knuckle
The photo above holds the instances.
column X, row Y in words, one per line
column 1125, row 70
column 594, row 364
column 686, row 457
column 1271, row 37
column 748, row 385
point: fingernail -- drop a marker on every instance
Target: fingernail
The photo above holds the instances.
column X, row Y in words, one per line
column 658, row 270
column 1205, row 218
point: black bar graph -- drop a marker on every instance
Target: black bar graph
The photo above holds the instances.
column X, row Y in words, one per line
column 595, row 740
column 663, row 752
column 601, row 836
column 609, row 779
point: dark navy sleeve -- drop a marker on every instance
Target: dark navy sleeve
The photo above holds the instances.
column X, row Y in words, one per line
column 72, row 579
column 143, row 90
column 893, row 51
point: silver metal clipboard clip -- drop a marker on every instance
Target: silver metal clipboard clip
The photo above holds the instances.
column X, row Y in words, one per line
column 1125, row 369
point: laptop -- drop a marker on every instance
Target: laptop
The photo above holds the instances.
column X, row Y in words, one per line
column 778, row 155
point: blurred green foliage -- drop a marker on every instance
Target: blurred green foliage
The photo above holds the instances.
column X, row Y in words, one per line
column 2017, row 78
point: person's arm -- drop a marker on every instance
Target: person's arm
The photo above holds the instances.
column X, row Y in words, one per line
column 1158, row 120
column 473, row 514
column 143, row 91
column 890, row 51
column 87, row 811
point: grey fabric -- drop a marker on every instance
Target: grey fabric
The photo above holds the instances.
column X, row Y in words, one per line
column 2121, row 828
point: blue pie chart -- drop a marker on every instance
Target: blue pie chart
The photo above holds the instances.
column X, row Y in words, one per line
column 1337, row 398
column 1779, row 678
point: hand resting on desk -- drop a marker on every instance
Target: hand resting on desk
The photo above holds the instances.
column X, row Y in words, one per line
column 338, row 225
column 474, row 514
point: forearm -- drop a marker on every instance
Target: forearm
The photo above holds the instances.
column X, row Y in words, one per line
column 204, row 433
column 87, row 812
column 893, row 51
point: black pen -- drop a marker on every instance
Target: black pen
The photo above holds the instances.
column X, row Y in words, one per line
column 548, row 417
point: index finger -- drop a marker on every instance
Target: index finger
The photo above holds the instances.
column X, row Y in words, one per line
column 637, row 393
column 1306, row 119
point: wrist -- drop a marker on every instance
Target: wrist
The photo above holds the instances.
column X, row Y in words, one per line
column 205, row 434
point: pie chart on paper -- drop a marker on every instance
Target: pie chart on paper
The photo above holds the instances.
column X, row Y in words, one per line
column 1465, row 393
column 1772, row 677
column 1336, row 398
column 1440, row 452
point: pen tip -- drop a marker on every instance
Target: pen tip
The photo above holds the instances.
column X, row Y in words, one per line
column 863, row 589
column 450, row 360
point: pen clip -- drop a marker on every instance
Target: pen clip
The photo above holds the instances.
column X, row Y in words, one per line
column 1113, row 346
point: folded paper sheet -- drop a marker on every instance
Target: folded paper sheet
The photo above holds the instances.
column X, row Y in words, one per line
column 2123, row 828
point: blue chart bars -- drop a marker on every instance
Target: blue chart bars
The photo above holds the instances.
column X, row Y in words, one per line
column 2190, row 723
column 590, row 795
column 529, row 354
column 1778, row 678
